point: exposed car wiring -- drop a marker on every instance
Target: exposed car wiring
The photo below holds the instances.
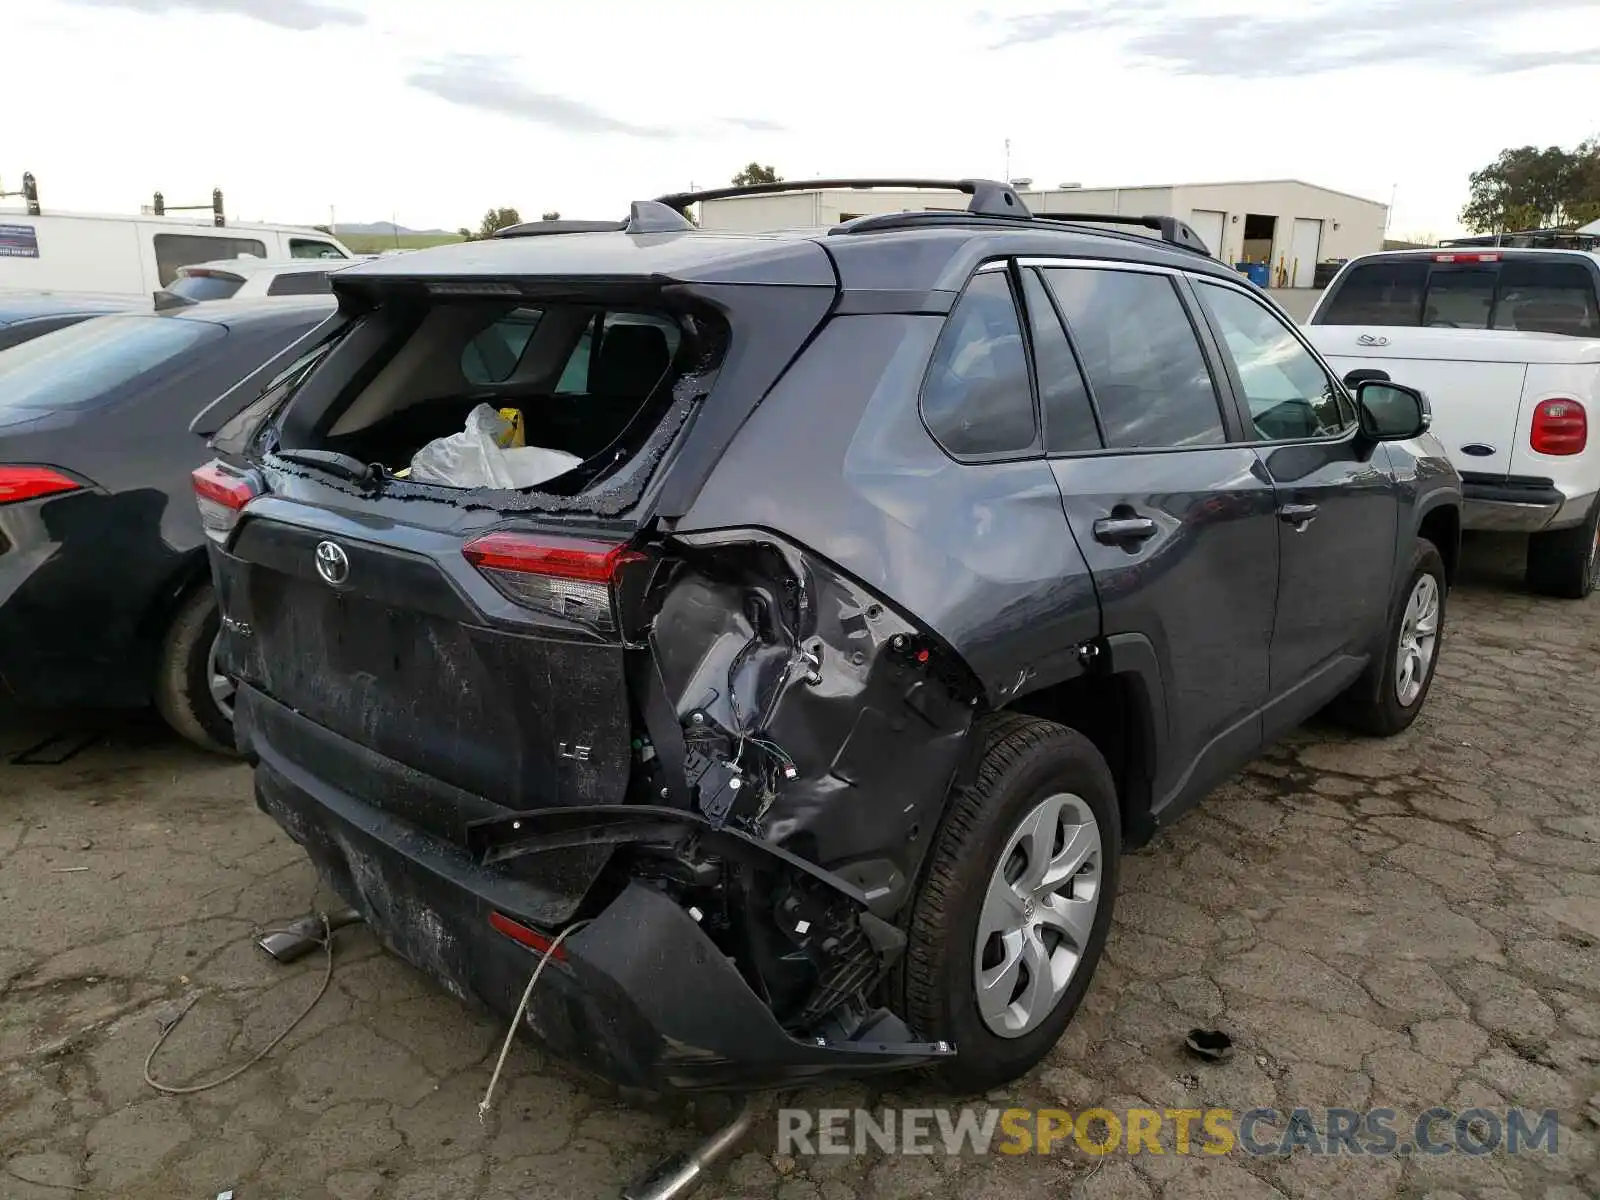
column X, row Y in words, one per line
column 326, row 942
column 522, row 1008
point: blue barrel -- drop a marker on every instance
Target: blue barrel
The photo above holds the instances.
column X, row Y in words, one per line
column 1256, row 273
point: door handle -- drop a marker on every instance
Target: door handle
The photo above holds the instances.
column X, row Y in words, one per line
column 1123, row 531
column 1298, row 515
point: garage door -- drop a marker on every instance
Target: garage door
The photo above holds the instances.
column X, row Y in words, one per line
column 1208, row 225
column 1303, row 249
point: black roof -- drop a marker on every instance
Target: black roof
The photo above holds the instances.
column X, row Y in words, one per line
column 259, row 311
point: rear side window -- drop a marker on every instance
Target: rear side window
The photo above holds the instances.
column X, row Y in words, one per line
column 200, row 288
column 1142, row 357
column 1378, row 293
column 174, row 250
column 79, row 366
column 976, row 399
column 300, row 283
column 1068, row 415
column 628, row 357
column 1547, row 297
column 493, row 355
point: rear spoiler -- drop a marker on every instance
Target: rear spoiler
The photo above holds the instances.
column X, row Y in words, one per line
column 165, row 300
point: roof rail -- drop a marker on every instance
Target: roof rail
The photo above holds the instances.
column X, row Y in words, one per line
column 989, row 197
column 1173, row 231
column 540, row 228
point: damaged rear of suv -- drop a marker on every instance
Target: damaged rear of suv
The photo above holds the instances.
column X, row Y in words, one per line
column 783, row 729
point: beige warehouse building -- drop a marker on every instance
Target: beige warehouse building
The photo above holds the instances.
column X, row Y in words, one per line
column 1285, row 224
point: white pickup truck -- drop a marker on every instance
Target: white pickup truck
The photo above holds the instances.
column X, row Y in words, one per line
column 1505, row 343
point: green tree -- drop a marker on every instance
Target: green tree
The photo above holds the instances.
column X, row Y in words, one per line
column 552, row 215
column 496, row 219
column 756, row 173
column 1526, row 187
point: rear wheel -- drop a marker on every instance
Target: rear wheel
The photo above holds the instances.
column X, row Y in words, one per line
column 191, row 694
column 1566, row 562
column 1014, row 911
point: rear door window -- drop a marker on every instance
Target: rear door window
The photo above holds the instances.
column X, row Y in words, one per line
column 80, row 366
column 1069, row 423
column 1547, row 297
column 1142, row 358
column 174, row 250
column 976, row 399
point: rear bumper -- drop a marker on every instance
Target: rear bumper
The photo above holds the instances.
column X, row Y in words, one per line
column 643, row 998
column 74, row 625
column 1520, row 504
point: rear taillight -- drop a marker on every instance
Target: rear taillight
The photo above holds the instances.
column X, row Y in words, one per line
column 30, row 483
column 1559, row 427
column 569, row 578
column 221, row 496
column 1466, row 258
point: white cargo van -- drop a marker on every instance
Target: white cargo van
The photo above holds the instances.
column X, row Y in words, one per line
column 134, row 256
column 1506, row 345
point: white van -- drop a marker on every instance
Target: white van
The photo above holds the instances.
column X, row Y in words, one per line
column 129, row 257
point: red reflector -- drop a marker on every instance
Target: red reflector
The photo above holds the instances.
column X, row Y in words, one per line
column 212, row 483
column 559, row 558
column 923, row 656
column 1560, row 427
column 1466, row 258
column 524, row 936
column 29, row 483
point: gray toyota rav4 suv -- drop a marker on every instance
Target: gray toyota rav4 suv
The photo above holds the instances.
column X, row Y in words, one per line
column 905, row 576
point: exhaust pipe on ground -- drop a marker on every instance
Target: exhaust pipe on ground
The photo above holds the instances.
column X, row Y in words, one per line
column 681, row 1174
column 299, row 938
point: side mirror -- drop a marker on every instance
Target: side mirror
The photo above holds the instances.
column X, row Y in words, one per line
column 1392, row 412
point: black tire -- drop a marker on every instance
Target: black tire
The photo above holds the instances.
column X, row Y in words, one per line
column 183, row 676
column 1565, row 562
column 1372, row 704
column 1023, row 761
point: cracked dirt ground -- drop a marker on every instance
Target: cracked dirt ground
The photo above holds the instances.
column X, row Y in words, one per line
column 1395, row 924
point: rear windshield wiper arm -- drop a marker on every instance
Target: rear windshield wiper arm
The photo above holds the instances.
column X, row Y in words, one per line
column 334, row 463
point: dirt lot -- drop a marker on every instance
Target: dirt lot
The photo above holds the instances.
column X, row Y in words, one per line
column 1402, row 924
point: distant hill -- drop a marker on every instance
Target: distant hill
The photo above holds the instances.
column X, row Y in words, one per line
column 387, row 229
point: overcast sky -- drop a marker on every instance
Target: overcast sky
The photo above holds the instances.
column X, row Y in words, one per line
column 432, row 112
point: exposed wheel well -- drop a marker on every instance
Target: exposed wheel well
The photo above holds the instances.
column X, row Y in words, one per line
column 1109, row 710
column 1442, row 527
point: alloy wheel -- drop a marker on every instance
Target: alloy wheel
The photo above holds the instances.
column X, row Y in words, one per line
column 1038, row 912
column 221, row 687
column 1419, row 636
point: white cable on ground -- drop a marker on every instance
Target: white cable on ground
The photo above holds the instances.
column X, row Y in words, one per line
column 191, row 1089
column 527, row 994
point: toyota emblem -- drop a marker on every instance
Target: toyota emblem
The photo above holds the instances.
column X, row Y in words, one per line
column 332, row 563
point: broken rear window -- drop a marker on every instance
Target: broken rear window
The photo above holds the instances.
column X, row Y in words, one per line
column 579, row 377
